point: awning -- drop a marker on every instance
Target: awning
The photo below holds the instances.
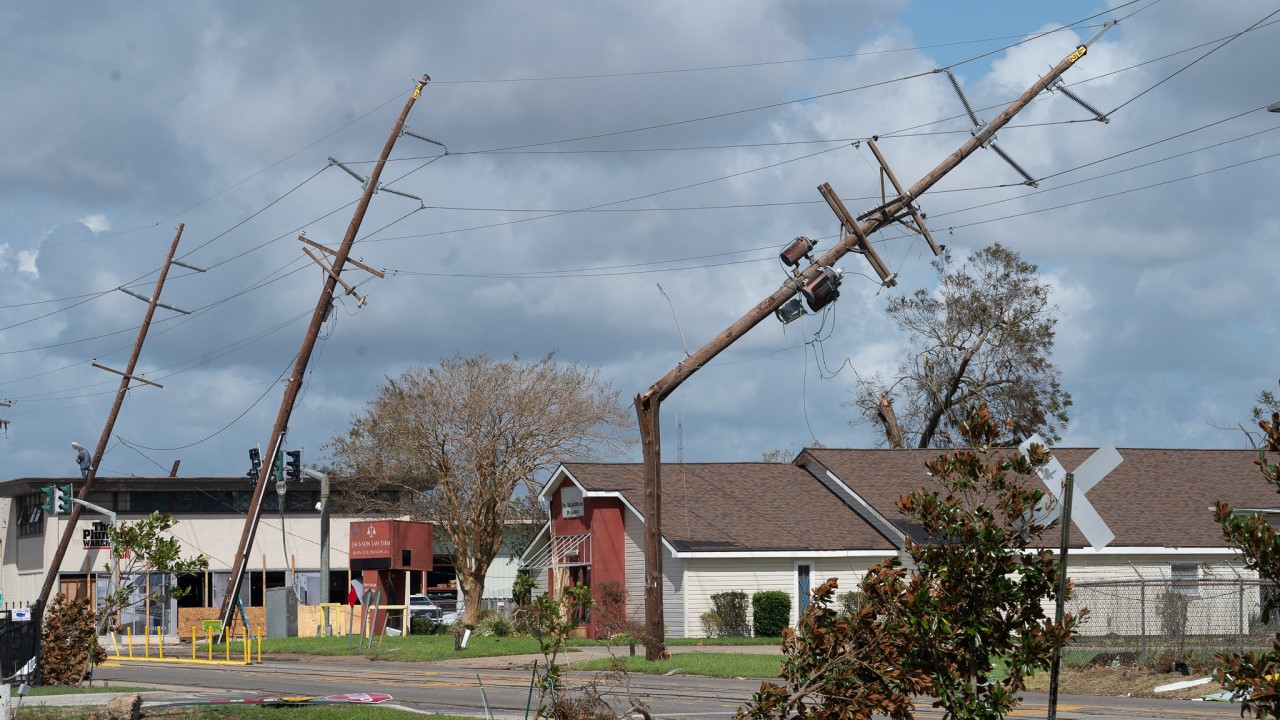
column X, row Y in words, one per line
column 562, row 551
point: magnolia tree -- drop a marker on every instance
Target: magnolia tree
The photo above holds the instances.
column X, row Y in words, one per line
column 1252, row 676
column 973, row 598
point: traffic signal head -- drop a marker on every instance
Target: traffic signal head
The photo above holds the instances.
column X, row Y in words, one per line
column 255, row 465
column 50, row 504
column 64, row 496
column 293, row 466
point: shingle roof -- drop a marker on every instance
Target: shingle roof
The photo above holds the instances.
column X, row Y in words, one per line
column 1158, row 498
column 739, row 507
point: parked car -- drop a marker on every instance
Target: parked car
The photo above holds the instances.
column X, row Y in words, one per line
column 420, row 606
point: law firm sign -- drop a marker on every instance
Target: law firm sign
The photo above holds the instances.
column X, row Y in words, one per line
column 571, row 505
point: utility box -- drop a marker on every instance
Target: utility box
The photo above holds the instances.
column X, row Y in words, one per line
column 282, row 612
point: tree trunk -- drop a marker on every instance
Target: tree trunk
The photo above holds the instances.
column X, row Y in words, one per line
column 472, row 593
column 888, row 418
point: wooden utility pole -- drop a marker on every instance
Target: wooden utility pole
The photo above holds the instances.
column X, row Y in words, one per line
column 339, row 259
column 51, row 575
column 853, row 239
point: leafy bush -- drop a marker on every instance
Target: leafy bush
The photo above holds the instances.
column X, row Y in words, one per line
column 771, row 610
column 427, row 626
column 495, row 626
column 711, row 625
column 522, row 588
column 850, row 603
column 69, row 642
column 731, row 606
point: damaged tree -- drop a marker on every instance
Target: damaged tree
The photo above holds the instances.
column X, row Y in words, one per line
column 453, row 443
column 983, row 337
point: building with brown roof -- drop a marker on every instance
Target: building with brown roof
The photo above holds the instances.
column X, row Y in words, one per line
column 833, row 513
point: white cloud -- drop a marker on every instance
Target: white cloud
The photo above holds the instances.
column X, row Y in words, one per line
column 98, row 223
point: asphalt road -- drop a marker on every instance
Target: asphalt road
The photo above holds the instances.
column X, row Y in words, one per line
column 449, row 688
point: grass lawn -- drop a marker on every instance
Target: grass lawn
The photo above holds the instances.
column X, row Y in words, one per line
column 710, row 664
column 248, row 712
column 414, row 648
column 42, row 690
column 677, row 642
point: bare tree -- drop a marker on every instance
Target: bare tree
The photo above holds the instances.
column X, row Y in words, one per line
column 983, row 337
column 453, row 443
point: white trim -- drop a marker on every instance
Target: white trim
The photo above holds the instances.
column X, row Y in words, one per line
column 546, row 529
column 757, row 554
column 1149, row 550
column 861, row 507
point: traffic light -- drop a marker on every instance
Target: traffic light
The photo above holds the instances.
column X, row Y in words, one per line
column 50, row 504
column 255, row 465
column 293, row 466
column 64, row 497
column 277, row 467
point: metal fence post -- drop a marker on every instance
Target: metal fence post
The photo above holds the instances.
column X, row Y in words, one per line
column 1142, row 609
column 1243, row 622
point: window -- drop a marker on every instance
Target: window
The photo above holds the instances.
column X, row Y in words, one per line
column 30, row 516
column 1186, row 578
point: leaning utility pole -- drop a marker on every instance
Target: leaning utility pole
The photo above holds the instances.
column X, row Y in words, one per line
column 51, row 575
column 854, row 236
column 229, row 602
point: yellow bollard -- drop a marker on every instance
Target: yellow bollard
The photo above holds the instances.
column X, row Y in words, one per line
column 146, row 642
column 193, row 642
column 209, row 637
column 115, row 643
column 130, row 642
column 160, row 640
column 228, row 638
column 260, row 632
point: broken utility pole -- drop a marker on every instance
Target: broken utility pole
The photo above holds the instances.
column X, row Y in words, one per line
column 332, row 271
column 853, row 239
column 51, row 575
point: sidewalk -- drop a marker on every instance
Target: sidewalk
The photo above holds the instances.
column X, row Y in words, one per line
column 580, row 653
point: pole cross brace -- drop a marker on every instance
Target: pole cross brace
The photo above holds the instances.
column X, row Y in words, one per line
column 350, row 290
column 917, row 226
column 861, row 245
column 139, row 378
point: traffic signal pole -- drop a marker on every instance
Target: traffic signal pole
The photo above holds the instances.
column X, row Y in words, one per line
column 51, row 575
column 339, row 260
column 853, row 239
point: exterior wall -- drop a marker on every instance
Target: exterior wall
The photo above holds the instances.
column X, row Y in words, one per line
column 673, row 580
column 1134, row 599
column 602, row 519
column 216, row 536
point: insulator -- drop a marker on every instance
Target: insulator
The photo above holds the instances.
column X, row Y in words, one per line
column 792, row 254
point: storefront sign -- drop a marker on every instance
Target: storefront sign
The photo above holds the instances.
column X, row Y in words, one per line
column 570, row 501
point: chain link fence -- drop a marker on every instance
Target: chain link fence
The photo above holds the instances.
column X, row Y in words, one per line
column 1156, row 621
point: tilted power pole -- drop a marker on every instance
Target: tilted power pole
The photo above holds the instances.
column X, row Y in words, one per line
column 300, row 366
column 51, row 575
column 854, row 236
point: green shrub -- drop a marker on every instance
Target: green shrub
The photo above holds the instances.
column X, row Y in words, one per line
column 731, row 606
column 850, row 602
column 772, row 612
column 494, row 626
column 427, row 626
column 711, row 625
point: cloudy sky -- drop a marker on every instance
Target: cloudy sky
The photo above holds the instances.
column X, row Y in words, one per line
column 597, row 151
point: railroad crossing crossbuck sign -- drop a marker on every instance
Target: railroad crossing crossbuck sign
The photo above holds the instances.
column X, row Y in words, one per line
column 1089, row 473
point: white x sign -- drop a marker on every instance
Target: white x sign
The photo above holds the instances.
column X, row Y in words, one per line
column 1089, row 473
